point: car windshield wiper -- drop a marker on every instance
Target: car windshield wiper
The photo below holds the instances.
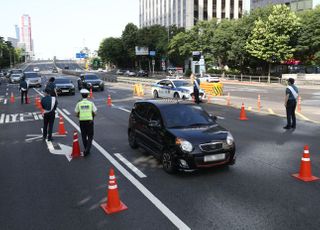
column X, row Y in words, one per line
column 198, row 124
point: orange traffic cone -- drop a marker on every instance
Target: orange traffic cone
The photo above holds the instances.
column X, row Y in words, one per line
column 228, row 100
column 259, row 103
column 299, row 104
column 12, row 98
column 109, row 101
column 91, row 94
column 209, row 99
column 243, row 116
column 61, row 129
column 113, row 203
column 36, row 100
column 305, row 173
column 75, row 146
column 38, row 103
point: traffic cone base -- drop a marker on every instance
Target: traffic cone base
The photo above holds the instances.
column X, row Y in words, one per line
column 61, row 130
column 243, row 116
column 109, row 211
column 305, row 179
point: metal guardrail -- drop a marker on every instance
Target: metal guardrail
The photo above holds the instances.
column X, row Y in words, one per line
column 248, row 78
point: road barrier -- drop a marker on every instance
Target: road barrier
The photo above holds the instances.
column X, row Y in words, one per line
column 138, row 90
column 213, row 89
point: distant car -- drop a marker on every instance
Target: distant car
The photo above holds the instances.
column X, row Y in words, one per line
column 64, row 86
column 15, row 71
column 90, row 80
column 181, row 134
column 175, row 88
column 142, row 73
column 14, row 78
column 33, row 79
column 36, row 69
column 209, row 78
column 130, row 73
column 54, row 70
column 120, row 72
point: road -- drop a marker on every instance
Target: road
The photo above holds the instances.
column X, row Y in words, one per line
column 40, row 190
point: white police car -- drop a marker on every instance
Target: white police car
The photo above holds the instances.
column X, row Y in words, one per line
column 175, row 88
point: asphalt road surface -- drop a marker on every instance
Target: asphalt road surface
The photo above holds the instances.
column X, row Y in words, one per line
column 40, row 190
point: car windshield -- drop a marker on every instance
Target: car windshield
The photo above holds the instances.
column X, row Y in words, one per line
column 185, row 116
column 31, row 75
column 182, row 83
column 62, row 81
column 16, row 71
column 91, row 77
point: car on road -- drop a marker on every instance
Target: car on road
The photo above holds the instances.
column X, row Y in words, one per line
column 54, row 70
column 15, row 71
column 90, row 80
column 142, row 73
column 36, row 69
column 64, row 86
column 33, row 79
column 209, row 78
column 15, row 78
column 130, row 73
column 120, row 72
column 175, row 88
column 182, row 135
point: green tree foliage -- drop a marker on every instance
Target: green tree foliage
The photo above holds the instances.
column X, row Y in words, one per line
column 308, row 46
column 271, row 39
column 111, row 50
column 129, row 38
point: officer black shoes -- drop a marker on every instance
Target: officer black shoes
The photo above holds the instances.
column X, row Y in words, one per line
column 287, row 127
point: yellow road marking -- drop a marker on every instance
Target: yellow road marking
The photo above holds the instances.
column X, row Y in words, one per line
column 249, row 108
column 302, row 116
column 271, row 111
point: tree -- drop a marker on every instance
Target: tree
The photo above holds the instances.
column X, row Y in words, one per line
column 271, row 39
column 112, row 50
column 129, row 39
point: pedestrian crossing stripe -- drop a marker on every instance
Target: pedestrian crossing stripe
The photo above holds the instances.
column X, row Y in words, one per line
column 21, row 117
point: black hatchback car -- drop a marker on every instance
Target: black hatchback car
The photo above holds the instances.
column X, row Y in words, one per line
column 87, row 81
column 64, row 86
column 181, row 134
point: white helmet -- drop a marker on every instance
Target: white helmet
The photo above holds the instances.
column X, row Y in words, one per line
column 84, row 91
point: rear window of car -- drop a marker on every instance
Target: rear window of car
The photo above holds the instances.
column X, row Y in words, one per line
column 91, row 77
column 182, row 83
column 183, row 116
column 31, row 75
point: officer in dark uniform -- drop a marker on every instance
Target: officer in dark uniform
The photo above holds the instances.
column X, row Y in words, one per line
column 51, row 87
column 86, row 110
column 49, row 104
column 196, row 88
column 290, row 103
column 24, row 89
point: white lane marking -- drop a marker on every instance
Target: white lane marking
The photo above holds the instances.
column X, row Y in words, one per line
column 7, row 94
column 35, row 116
column 271, row 111
column 5, row 101
column 164, row 209
column 130, row 165
column 220, row 118
column 302, row 116
column 121, row 108
column 2, row 118
column 66, row 111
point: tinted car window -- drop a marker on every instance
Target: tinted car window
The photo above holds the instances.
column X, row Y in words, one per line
column 91, row 77
column 162, row 83
column 182, row 83
column 31, row 75
column 62, row 81
column 153, row 114
column 180, row 116
column 141, row 110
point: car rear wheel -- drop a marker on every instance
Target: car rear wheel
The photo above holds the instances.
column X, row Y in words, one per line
column 155, row 94
column 168, row 163
column 176, row 96
column 132, row 139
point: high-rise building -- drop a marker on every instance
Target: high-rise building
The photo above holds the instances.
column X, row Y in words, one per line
column 186, row 13
column 13, row 41
column 17, row 32
column 26, row 35
column 295, row 5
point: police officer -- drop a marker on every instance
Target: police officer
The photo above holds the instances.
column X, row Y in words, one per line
column 49, row 104
column 51, row 87
column 86, row 110
column 290, row 103
column 196, row 88
column 24, row 89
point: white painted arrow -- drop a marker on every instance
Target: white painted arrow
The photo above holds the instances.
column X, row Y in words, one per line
column 64, row 150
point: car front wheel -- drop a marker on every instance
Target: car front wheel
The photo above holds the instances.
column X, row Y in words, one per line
column 176, row 96
column 132, row 140
column 168, row 163
column 155, row 94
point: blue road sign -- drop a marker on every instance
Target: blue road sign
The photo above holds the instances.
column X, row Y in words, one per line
column 152, row 53
column 81, row 55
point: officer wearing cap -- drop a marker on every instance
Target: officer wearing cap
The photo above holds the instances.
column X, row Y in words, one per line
column 290, row 103
column 49, row 104
column 86, row 110
column 24, row 89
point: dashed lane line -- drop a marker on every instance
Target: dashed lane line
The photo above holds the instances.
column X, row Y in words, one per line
column 271, row 111
column 66, row 111
column 5, row 101
column 130, row 165
column 164, row 209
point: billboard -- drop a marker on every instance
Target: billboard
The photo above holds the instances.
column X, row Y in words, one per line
column 142, row 50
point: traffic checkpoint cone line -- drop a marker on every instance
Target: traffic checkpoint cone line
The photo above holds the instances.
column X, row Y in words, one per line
column 109, row 101
column 305, row 173
column 243, row 116
column 113, row 203
column 12, row 98
column 299, row 104
column 75, row 146
column 259, row 103
column 61, row 130
column 228, row 100
column 91, row 94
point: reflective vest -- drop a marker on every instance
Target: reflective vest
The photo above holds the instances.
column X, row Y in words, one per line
column 85, row 110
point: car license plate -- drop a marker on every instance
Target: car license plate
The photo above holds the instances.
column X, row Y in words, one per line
column 95, row 86
column 65, row 91
column 215, row 157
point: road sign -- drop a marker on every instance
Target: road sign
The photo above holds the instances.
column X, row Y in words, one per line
column 152, row 53
column 81, row 55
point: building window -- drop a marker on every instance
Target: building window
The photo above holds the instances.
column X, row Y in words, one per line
column 169, row 12
column 196, row 12
column 223, row 6
column 179, row 13
column 161, row 12
column 205, row 9
column 240, row 9
column 174, row 12
column 231, row 9
column 184, row 13
column 214, row 8
column 165, row 13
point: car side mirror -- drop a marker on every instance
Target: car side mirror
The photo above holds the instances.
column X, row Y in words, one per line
column 154, row 123
column 215, row 118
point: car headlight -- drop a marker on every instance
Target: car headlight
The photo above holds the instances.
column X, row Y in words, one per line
column 185, row 146
column 230, row 139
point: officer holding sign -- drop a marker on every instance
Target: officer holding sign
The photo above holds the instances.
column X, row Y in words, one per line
column 291, row 103
column 86, row 110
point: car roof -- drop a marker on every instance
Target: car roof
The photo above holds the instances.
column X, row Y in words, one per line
column 28, row 72
column 62, row 77
column 165, row 102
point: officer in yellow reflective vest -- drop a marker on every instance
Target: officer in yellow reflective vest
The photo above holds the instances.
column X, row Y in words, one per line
column 86, row 110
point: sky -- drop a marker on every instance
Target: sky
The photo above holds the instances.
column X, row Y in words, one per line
column 62, row 28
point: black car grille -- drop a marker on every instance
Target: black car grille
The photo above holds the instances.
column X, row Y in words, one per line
column 211, row 147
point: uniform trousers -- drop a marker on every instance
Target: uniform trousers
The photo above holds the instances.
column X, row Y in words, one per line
column 48, row 120
column 87, row 135
column 291, row 115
